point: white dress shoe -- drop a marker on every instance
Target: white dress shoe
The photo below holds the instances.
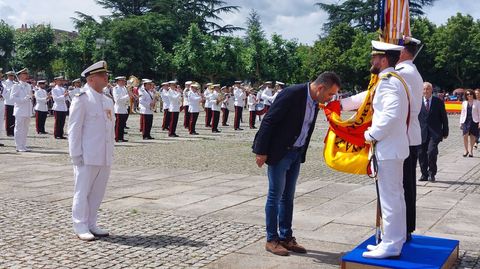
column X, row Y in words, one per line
column 372, row 247
column 380, row 253
column 99, row 232
column 86, row 236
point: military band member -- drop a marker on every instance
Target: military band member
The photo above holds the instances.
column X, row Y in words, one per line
column 389, row 133
column 22, row 98
column 166, row 105
column 76, row 88
column 122, row 100
column 41, row 108
column 90, row 129
column 224, row 105
column 208, row 106
column 239, row 96
column 215, row 100
column 175, row 99
column 146, row 103
column 9, row 104
column 278, row 88
column 60, row 96
column 194, row 100
column 267, row 95
column 2, row 104
column 252, row 103
column 186, row 92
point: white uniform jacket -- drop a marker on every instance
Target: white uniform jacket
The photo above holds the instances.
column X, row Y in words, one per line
column 59, row 99
column 410, row 74
column 251, row 102
column 213, row 101
column 7, row 92
column 165, row 100
column 206, row 94
column 121, row 99
column 475, row 111
column 175, row 99
column 21, row 96
column 186, row 92
column 194, row 99
column 41, row 100
column 239, row 97
column 145, row 98
column 267, row 96
column 389, row 123
column 91, row 128
column 73, row 92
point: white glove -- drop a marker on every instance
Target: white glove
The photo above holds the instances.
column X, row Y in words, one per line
column 77, row 160
column 368, row 138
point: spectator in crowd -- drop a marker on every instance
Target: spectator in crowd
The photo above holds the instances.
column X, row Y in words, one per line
column 469, row 121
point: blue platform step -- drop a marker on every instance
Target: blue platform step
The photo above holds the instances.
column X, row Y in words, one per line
column 422, row 252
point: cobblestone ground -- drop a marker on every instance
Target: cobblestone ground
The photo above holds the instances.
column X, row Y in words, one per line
column 38, row 235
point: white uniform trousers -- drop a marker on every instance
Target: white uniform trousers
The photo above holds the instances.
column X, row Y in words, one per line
column 390, row 184
column 21, row 131
column 90, row 185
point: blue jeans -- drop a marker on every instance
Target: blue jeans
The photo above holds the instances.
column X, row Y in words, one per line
column 282, row 178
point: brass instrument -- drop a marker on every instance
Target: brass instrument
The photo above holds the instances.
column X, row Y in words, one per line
column 156, row 99
column 132, row 82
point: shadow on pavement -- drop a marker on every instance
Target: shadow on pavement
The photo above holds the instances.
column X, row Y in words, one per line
column 321, row 256
column 156, row 241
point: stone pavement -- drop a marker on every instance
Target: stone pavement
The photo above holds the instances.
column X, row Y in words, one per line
column 182, row 218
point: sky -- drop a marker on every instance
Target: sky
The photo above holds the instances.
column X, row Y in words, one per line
column 292, row 19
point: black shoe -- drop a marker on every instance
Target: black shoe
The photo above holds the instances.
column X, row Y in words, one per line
column 238, row 129
column 173, row 135
column 253, row 127
column 126, row 127
column 225, row 124
column 432, row 178
column 2, row 145
column 125, row 132
column 466, row 154
column 423, row 178
column 194, row 133
column 216, row 131
column 10, row 135
column 60, row 137
column 409, row 237
column 470, row 155
column 43, row 132
column 148, row 138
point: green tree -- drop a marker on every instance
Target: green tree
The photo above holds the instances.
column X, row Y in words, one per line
column 456, row 47
column 126, row 7
column 283, row 61
column 363, row 14
column 36, row 49
column 6, row 43
column 424, row 30
column 255, row 56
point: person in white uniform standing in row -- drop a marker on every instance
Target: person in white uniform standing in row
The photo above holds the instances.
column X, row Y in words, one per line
column 41, row 108
column 22, row 98
column 60, row 96
column 91, row 137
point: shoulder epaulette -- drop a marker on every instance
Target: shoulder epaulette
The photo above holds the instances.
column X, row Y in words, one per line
column 400, row 68
column 79, row 94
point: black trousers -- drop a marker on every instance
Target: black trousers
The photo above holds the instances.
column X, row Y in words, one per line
column 120, row 123
column 147, row 124
column 253, row 116
column 193, row 122
column 410, row 187
column 173, row 123
column 225, row 113
column 9, row 120
column 238, row 116
column 428, row 157
column 59, row 123
column 186, row 117
column 166, row 119
column 40, row 118
column 216, row 119
column 208, row 117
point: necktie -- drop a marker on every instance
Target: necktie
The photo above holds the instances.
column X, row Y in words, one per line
column 427, row 105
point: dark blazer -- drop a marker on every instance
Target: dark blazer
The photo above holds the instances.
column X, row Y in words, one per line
column 433, row 123
column 282, row 124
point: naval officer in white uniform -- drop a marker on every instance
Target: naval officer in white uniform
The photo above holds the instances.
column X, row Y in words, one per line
column 21, row 96
column 91, row 137
column 389, row 133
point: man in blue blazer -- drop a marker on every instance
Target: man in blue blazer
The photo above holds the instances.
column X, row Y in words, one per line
column 282, row 143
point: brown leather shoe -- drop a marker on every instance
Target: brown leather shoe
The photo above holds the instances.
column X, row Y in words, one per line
column 292, row 245
column 276, row 248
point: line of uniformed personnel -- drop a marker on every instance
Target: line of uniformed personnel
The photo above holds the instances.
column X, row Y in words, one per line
column 42, row 99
